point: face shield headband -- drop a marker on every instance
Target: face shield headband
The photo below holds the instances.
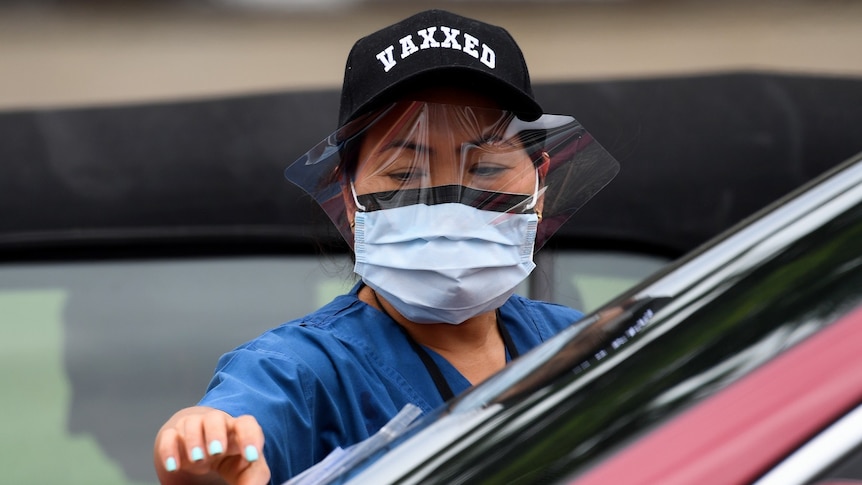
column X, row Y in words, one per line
column 414, row 152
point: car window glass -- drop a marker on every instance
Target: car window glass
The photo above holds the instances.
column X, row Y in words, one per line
column 96, row 355
column 588, row 279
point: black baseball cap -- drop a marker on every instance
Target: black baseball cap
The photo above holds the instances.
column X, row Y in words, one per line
column 436, row 48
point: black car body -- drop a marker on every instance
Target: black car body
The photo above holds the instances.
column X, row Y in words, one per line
column 680, row 339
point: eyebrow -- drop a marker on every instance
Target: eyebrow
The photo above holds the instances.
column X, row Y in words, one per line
column 495, row 138
column 412, row 145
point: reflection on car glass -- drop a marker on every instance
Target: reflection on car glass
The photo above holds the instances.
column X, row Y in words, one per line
column 610, row 330
column 631, row 323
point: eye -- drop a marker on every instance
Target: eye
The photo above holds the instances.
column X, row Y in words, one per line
column 407, row 175
column 485, row 169
column 492, row 160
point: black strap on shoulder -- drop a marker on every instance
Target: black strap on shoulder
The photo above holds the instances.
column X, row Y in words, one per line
column 507, row 338
column 433, row 369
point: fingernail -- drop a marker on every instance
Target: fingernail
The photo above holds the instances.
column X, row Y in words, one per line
column 171, row 464
column 251, row 453
column 197, row 453
column 216, row 447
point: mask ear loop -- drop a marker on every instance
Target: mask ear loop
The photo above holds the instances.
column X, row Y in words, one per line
column 535, row 195
column 359, row 207
column 543, row 168
column 356, row 199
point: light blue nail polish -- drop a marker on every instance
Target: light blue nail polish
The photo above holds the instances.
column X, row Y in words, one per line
column 197, row 453
column 251, row 453
column 171, row 464
column 215, row 447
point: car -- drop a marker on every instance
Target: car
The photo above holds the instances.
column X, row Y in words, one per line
column 738, row 363
column 140, row 242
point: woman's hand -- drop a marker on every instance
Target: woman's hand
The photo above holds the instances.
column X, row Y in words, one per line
column 204, row 445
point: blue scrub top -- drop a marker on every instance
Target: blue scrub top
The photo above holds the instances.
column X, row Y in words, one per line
column 336, row 376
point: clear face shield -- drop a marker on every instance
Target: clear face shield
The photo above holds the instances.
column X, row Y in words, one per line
column 415, row 153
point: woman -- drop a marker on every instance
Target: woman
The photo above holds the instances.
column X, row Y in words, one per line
column 444, row 177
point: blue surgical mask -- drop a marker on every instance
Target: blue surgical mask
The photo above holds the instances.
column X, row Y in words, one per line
column 444, row 262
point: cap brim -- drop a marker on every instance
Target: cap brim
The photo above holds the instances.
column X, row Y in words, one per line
column 507, row 96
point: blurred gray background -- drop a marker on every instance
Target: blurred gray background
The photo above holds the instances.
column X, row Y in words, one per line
column 72, row 53
column 737, row 142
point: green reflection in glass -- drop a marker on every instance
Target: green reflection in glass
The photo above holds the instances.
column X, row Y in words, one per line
column 36, row 447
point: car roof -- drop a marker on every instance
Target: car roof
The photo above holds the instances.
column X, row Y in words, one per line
column 697, row 154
